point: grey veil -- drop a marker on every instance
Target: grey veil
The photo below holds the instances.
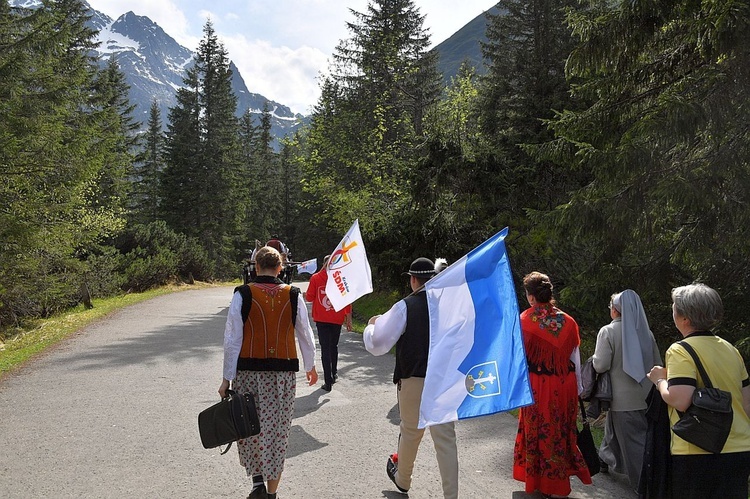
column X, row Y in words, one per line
column 636, row 335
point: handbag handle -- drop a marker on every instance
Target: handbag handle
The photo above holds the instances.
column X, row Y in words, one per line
column 230, row 393
column 701, row 370
column 584, row 418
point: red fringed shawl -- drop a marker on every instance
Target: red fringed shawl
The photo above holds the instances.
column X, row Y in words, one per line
column 549, row 335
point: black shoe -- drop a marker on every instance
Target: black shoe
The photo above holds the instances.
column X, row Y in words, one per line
column 603, row 467
column 335, row 378
column 391, row 468
column 326, row 387
column 259, row 492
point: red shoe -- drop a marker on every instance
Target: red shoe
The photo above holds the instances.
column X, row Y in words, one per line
column 391, row 467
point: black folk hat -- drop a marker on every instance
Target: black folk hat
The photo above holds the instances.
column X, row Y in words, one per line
column 421, row 267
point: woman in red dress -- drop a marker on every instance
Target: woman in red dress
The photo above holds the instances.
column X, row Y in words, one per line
column 545, row 454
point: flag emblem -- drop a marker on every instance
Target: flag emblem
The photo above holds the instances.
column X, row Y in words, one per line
column 483, row 381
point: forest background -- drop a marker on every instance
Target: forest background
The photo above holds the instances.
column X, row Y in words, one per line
column 611, row 137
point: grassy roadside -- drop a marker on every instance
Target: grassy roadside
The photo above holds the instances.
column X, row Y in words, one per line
column 372, row 304
column 21, row 343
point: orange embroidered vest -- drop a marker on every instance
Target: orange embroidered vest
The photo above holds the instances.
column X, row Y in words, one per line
column 268, row 342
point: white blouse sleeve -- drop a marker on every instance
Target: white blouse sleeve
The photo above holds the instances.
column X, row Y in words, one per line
column 380, row 337
column 305, row 337
column 233, row 331
column 575, row 356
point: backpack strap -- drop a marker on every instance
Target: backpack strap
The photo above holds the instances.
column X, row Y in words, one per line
column 247, row 300
column 294, row 298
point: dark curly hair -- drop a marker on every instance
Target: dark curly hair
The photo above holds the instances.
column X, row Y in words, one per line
column 539, row 286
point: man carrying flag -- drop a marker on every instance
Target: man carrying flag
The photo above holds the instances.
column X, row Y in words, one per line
column 407, row 325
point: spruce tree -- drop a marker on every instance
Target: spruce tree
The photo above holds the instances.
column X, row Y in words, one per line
column 367, row 128
column 201, row 181
column 118, row 134
column 50, row 156
column 144, row 207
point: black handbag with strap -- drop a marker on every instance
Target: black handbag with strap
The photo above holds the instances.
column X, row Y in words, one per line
column 232, row 419
column 586, row 443
column 708, row 420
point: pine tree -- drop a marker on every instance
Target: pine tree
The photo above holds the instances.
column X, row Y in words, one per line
column 527, row 46
column 50, row 155
column 249, row 182
column 367, row 127
column 118, row 134
column 201, row 182
column 144, row 207
column 270, row 182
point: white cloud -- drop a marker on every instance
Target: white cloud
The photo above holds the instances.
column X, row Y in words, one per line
column 285, row 75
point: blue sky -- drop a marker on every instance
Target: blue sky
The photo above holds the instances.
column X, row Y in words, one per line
column 281, row 46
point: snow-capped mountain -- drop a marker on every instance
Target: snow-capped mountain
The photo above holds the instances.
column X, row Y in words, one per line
column 154, row 65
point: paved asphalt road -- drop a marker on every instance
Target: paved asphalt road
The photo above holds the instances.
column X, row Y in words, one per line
column 112, row 412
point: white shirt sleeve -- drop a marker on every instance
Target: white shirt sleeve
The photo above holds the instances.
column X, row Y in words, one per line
column 575, row 356
column 380, row 337
column 305, row 337
column 233, row 331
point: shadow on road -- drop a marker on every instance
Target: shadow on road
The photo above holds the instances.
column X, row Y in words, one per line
column 193, row 338
column 357, row 363
column 301, row 442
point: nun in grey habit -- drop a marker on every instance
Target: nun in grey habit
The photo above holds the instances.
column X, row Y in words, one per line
column 627, row 349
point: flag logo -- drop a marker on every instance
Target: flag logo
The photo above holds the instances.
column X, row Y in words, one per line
column 340, row 258
column 483, row 380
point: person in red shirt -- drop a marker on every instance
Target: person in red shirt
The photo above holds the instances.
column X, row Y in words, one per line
column 328, row 322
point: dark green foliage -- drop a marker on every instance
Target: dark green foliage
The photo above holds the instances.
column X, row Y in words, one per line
column 155, row 255
column 666, row 144
column 144, row 201
column 367, row 128
column 54, row 148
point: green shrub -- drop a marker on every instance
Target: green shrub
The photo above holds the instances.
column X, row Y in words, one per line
column 148, row 272
column 155, row 255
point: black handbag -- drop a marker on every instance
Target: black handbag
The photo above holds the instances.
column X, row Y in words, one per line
column 232, row 419
column 586, row 444
column 708, row 420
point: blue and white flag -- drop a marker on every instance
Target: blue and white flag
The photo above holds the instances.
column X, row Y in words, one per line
column 477, row 362
column 309, row 266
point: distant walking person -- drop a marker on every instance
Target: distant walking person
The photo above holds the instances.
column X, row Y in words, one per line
column 627, row 349
column 260, row 356
column 407, row 326
column 546, row 454
column 328, row 323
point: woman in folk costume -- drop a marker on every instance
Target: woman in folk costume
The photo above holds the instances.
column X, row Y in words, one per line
column 266, row 323
column 627, row 349
column 545, row 454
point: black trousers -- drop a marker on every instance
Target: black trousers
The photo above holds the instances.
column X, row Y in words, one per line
column 710, row 476
column 328, row 336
